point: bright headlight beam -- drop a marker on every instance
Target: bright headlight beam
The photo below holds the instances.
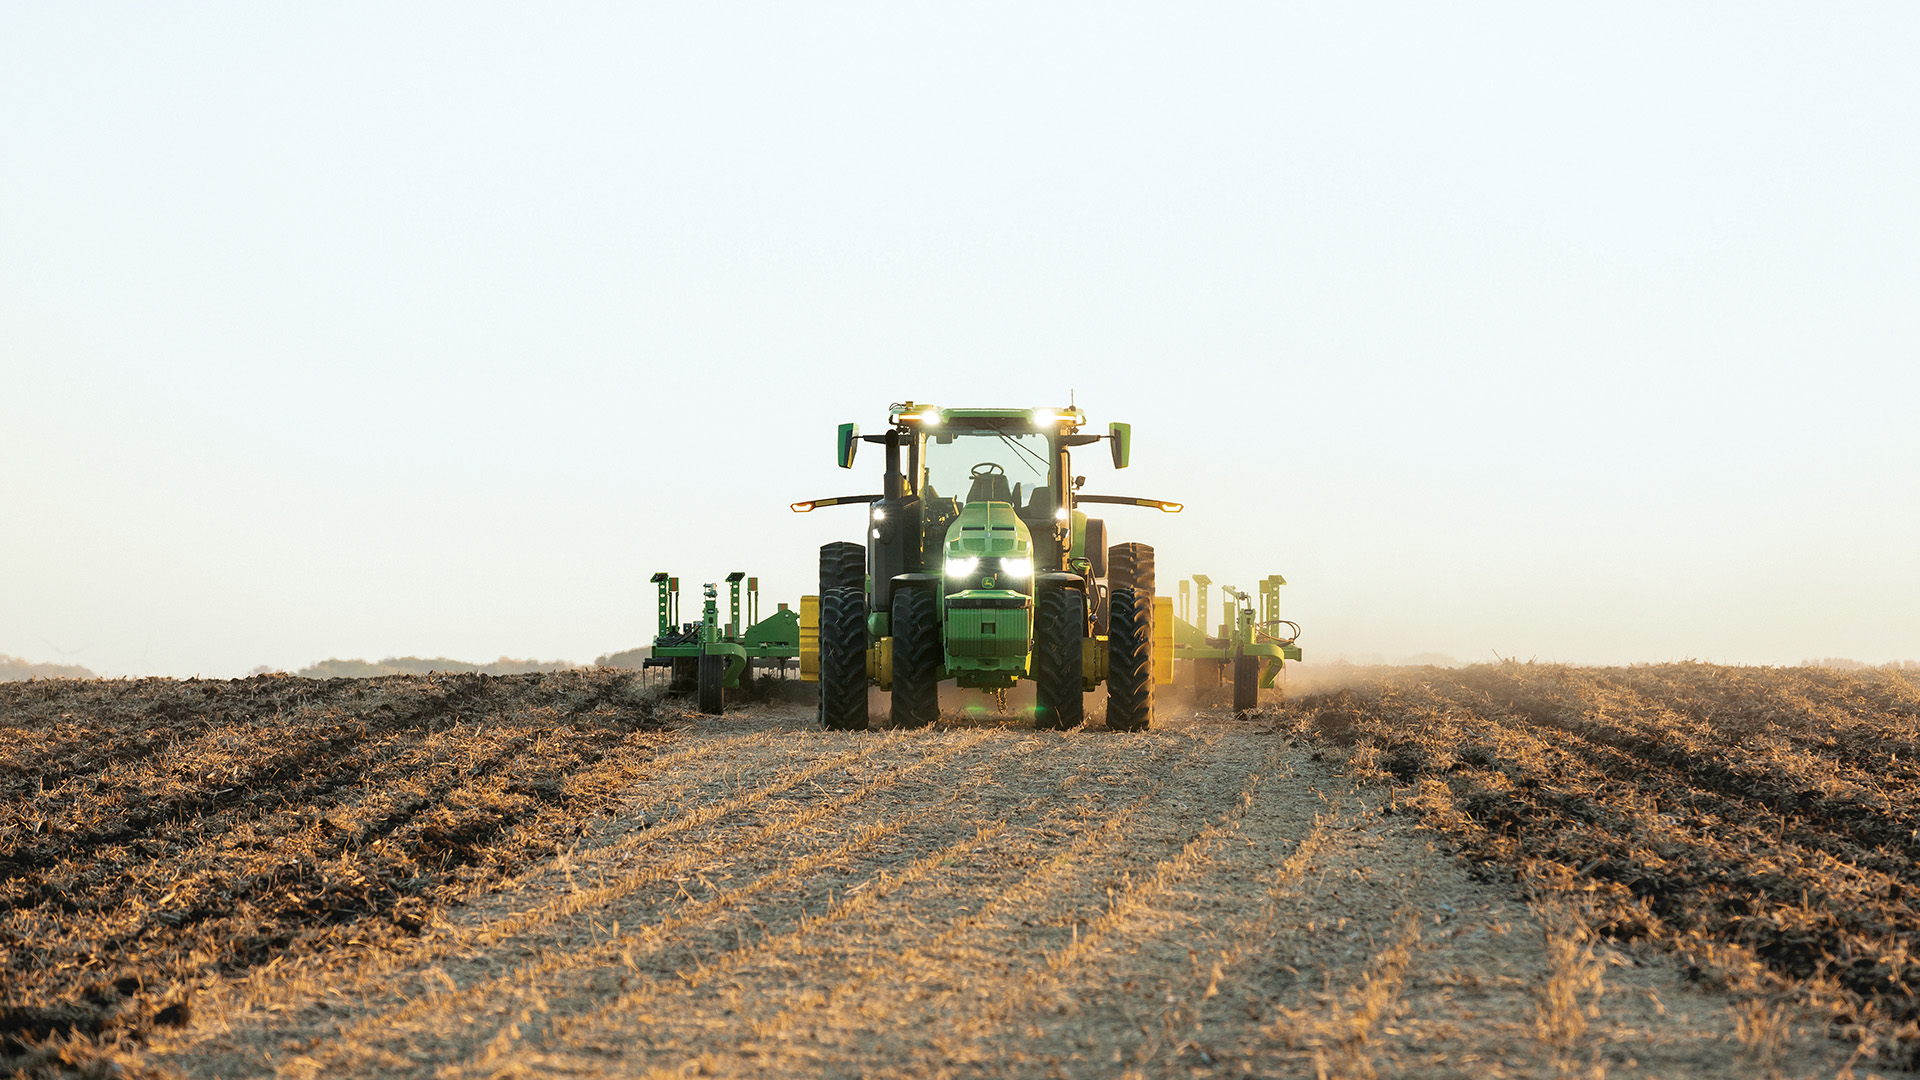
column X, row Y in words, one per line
column 1044, row 418
column 1017, row 568
column 962, row 567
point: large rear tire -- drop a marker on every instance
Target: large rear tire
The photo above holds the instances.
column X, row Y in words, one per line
column 710, row 697
column 1129, row 660
column 1060, row 625
column 843, row 565
column 1246, row 683
column 843, row 660
column 917, row 656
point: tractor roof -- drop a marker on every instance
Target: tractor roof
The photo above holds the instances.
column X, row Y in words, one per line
column 934, row 415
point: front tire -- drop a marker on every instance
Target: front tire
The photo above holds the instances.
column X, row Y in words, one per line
column 917, row 657
column 1060, row 625
column 1129, row 660
column 711, row 694
column 843, row 660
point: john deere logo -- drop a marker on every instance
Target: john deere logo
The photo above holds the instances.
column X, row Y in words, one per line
column 987, row 582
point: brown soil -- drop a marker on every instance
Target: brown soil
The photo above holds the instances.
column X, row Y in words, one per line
column 157, row 836
column 749, row 895
column 1760, row 823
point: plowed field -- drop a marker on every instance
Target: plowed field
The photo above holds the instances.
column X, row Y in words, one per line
column 559, row 874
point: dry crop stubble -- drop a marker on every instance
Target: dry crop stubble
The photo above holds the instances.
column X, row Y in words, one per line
column 831, row 947
column 981, row 920
column 664, row 926
column 412, row 972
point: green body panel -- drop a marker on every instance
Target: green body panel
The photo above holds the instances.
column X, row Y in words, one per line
column 988, row 646
column 988, row 530
column 1122, row 436
column 779, row 631
column 847, row 444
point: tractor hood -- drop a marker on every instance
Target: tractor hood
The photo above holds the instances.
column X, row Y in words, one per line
column 988, row 530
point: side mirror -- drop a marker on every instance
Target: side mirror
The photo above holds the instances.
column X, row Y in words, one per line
column 849, row 442
column 1122, row 436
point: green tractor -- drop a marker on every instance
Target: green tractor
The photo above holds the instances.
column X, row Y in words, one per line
column 978, row 566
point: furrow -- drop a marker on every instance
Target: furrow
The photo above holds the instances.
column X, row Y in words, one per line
column 621, row 946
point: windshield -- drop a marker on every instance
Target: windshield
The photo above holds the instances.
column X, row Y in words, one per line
column 971, row 464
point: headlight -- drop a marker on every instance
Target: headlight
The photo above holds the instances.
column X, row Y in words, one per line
column 962, row 567
column 879, row 515
column 1017, row 568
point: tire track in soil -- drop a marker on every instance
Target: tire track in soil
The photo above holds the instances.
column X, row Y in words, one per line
column 851, row 972
column 553, row 908
column 1006, row 980
column 423, row 991
column 374, row 973
column 663, row 944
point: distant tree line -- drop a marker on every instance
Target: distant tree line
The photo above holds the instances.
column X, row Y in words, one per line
column 631, row 658
column 336, row 668
column 1841, row 663
column 13, row 669
column 415, row 665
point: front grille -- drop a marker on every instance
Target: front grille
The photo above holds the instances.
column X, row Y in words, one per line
column 988, row 632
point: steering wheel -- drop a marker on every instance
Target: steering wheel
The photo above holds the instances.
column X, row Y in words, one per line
column 986, row 468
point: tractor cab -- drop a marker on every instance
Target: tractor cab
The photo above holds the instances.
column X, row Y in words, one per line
column 987, row 489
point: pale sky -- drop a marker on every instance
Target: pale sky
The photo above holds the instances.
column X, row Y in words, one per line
column 1586, row 334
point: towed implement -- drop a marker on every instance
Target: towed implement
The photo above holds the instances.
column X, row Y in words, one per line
column 1244, row 641
column 710, row 657
column 977, row 566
